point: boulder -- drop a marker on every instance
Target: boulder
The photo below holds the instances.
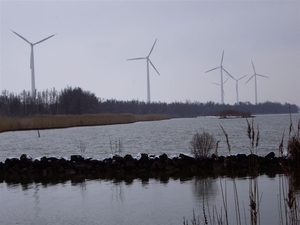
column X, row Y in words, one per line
column 77, row 158
column 270, row 155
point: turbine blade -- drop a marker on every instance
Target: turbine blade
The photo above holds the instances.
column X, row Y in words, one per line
column 222, row 58
column 253, row 66
column 153, row 66
column 152, row 48
column 22, row 37
column 241, row 78
column 228, row 73
column 44, row 39
column 137, row 58
column 212, row 69
column 223, row 82
column 262, row 75
column 250, row 78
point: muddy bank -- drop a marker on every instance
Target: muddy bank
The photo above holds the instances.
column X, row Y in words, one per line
column 25, row 169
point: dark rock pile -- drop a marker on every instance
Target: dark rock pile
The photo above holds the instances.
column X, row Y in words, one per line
column 25, row 168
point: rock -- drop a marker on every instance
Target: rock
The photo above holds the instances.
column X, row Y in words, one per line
column 270, row 155
column 23, row 158
column 77, row 158
column 130, row 164
column 156, row 165
column 163, row 157
column 128, row 158
column 70, row 172
column 187, row 158
column 129, row 161
column 118, row 159
column 11, row 162
column 144, row 159
column 50, row 167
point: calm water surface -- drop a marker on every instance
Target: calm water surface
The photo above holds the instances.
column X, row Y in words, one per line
column 169, row 136
column 137, row 202
column 151, row 202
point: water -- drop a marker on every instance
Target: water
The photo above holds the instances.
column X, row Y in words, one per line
column 169, row 136
column 152, row 201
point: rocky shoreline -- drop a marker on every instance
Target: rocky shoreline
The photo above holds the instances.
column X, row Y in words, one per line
column 78, row 168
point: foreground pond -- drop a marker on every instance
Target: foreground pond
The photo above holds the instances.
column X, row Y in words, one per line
column 152, row 201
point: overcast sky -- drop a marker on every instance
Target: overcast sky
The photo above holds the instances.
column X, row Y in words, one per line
column 95, row 38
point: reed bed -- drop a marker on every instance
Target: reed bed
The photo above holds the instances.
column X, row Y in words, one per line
column 64, row 121
column 288, row 197
column 151, row 117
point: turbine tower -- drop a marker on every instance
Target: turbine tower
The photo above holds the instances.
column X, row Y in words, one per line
column 148, row 77
column 237, row 88
column 254, row 75
column 223, row 83
column 32, row 61
column 221, row 69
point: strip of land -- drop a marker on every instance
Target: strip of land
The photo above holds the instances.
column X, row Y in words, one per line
column 65, row 121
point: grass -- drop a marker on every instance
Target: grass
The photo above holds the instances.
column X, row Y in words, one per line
column 64, row 121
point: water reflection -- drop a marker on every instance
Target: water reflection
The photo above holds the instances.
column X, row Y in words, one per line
column 204, row 188
column 36, row 197
column 117, row 192
column 161, row 200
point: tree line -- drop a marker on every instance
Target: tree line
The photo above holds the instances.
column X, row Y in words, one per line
column 76, row 101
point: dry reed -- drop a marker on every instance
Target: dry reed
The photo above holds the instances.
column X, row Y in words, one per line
column 288, row 197
column 64, row 121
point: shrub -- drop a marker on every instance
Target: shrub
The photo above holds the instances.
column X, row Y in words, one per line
column 201, row 144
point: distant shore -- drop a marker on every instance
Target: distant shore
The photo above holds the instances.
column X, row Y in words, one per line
column 65, row 121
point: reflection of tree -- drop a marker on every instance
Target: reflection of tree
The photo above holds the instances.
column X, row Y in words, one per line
column 80, row 181
column 83, row 188
column 117, row 192
column 36, row 200
column 204, row 188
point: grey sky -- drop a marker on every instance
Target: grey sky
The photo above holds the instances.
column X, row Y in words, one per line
column 95, row 38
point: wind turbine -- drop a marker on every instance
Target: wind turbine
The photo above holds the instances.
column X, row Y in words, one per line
column 254, row 75
column 148, row 78
column 221, row 69
column 32, row 60
column 237, row 88
column 223, row 83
